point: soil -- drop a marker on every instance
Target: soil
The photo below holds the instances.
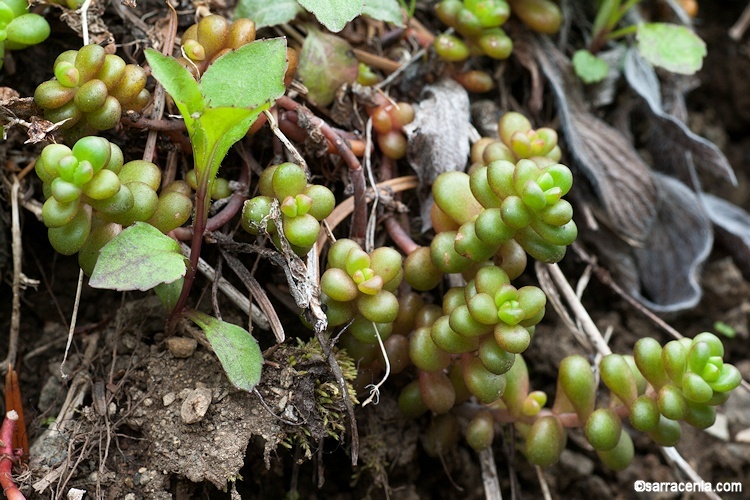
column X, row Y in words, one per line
column 140, row 414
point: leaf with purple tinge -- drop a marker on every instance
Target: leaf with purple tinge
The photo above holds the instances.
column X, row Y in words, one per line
column 326, row 62
column 671, row 136
column 620, row 179
column 664, row 272
column 732, row 225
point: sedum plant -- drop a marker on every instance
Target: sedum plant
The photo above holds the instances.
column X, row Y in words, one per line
column 302, row 207
column 90, row 90
column 468, row 346
column 20, row 28
column 478, row 22
column 91, row 194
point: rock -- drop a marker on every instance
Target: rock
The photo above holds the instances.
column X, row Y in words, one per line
column 195, row 405
column 181, row 347
column 743, row 436
column 169, row 398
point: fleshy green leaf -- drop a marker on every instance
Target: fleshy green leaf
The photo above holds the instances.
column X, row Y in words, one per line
column 384, row 10
column 326, row 62
column 674, row 48
column 247, row 77
column 266, row 13
column 588, row 67
column 333, row 14
column 237, row 350
column 178, row 83
column 139, row 258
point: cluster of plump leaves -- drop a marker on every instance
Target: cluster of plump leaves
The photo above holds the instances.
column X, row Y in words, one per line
column 517, row 140
column 90, row 90
column 388, row 121
column 656, row 388
column 477, row 215
column 302, row 206
column 360, row 288
column 479, row 24
column 466, row 347
column 20, row 28
column 212, row 37
column 91, row 194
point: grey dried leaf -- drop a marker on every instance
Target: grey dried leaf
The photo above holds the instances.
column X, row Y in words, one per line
column 663, row 274
column 439, row 135
column 438, row 138
column 732, row 225
column 620, row 178
column 642, row 78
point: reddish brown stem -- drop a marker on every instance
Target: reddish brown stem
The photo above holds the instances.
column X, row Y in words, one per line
column 395, row 230
column 6, row 457
column 399, row 236
column 359, row 216
column 13, row 402
column 288, row 124
column 202, row 199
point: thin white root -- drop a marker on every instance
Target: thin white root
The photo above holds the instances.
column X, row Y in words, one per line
column 672, row 454
column 85, row 21
column 374, row 396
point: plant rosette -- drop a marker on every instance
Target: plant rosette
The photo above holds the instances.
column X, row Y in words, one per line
column 90, row 90
column 91, row 194
column 302, row 207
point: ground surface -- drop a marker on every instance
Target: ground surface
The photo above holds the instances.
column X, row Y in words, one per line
column 157, row 418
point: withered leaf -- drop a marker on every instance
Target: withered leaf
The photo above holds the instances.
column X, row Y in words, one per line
column 732, row 225
column 663, row 273
column 439, row 135
column 438, row 138
column 620, row 178
column 642, row 78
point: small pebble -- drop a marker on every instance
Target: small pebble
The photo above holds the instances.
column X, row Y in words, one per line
column 75, row 494
column 169, row 398
column 181, row 347
column 743, row 436
column 195, row 405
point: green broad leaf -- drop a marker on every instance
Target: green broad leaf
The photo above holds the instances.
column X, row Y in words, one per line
column 333, row 14
column 325, row 63
column 674, row 48
column 247, row 77
column 588, row 67
column 384, row 10
column 139, row 258
column 169, row 293
column 216, row 131
column 266, row 13
column 179, row 83
column 237, row 350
